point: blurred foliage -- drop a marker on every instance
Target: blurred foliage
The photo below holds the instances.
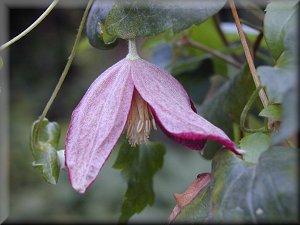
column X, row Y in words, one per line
column 240, row 191
column 138, row 165
column 219, row 89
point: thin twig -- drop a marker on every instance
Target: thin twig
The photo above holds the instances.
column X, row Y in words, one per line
column 262, row 94
column 257, row 42
column 223, row 36
column 255, row 27
column 212, row 52
column 31, row 27
column 70, row 60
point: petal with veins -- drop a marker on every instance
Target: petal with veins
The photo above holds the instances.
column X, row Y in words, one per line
column 171, row 108
column 97, row 123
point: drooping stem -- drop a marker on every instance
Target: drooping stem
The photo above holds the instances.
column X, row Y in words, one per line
column 67, row 67
column 262, row 94
column 132, row 51
column 31, row 27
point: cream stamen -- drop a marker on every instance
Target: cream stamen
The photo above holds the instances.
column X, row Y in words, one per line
column 140, row 121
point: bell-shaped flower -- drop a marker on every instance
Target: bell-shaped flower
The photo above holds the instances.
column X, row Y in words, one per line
column 131, row 96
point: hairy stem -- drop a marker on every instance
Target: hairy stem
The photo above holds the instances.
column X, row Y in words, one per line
column 70, row 60
column 31, row 27
column 262, row 94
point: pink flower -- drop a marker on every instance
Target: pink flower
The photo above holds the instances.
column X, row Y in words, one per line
column 131, row 96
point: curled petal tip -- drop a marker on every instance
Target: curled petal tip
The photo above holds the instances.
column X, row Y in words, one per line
column 241, row 151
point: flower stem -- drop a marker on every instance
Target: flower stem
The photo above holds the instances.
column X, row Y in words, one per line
column 132, row 51
column 31, row 27
column 262, row 94
column 70, row 60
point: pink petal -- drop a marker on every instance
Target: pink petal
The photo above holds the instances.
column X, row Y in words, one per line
column 97, row 123
column 171, row 108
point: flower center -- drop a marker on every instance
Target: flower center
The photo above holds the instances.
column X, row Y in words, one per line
column 140, row 121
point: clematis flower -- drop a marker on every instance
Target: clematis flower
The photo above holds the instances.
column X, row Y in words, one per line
column 131, row 96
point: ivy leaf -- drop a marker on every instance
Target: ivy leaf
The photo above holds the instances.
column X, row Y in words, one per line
column 130, row 19
column 193, row 204
column 280, row 80
column 138, row 166
column 255, row 192
column 95, row 26
column 44, row 142
column 280, row 17
column 254, row 144
column 272, row 111
column 226, row 106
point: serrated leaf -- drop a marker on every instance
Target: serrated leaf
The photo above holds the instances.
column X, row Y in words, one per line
column 193, row 204
column 44, row 142
column 138, row 165
column 255, row 192
column 130, row 19
column 254, row 145
column 226, row 106
column 95, row 26
column 280, row 17
column 272, row 111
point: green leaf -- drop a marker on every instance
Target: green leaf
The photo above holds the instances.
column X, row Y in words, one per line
column 44, row 142
column 255, row 192
column 254, row 144
column 138, row 166
column 193, row 204
column 277, row 81
column 272, row 111
column 95, row 28
column 226, row 106
column 197, row 211
column 283, row 76
column 289, row 118
column 280, row 17
column 130, row 19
